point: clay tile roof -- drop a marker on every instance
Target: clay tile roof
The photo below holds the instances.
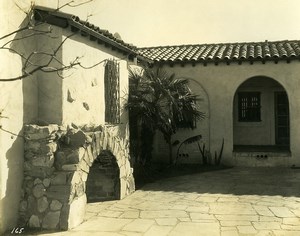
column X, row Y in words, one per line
column 256, row 51
column 220, row 54
column 261, row 51
column 64, row 20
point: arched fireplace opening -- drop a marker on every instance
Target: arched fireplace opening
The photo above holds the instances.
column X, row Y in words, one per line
column 103, row 182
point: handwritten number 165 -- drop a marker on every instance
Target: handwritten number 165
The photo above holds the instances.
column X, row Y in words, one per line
column 17, row 230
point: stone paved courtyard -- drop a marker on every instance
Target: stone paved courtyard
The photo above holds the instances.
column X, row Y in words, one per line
column 237, row 201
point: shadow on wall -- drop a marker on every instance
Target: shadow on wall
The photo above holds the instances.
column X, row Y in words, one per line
column 42, row 91
column 10, row 203
column 23, row 109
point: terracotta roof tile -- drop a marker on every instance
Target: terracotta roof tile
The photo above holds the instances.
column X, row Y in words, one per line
column 228, row 52
column 258, row 51
column 243, row 51
column 224, row 52
column 199, row 51
column 64, row 20
column 220, row 53
column 296, row 47
column 212, row 52
column 182, row 53
column 291, row 52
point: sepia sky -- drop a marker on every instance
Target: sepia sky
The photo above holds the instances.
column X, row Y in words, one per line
column 175, row 22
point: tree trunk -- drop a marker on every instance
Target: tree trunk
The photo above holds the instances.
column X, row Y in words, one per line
column 170, row 151
column 134, row 133
column 147, row 138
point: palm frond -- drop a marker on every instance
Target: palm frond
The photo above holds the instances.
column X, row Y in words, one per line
column 193, row 139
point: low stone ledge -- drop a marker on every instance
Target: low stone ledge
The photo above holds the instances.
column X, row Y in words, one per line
column 35, row 132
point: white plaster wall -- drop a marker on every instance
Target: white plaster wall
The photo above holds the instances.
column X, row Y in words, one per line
column 221, row 83
column 18, row 105
column 42, row 97
column 61, row 99
column 87, row 85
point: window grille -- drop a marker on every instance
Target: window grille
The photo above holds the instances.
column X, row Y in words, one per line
column 249, row 106
column 112, row 92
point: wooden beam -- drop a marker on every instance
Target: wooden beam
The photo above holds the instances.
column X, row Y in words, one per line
column 84, row 34
column 93, row 38
column 74, row 29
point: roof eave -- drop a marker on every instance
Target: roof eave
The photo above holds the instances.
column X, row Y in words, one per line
column 65, row 20
column 101, row 37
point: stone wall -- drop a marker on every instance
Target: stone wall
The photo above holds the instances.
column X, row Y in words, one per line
column 56, row 168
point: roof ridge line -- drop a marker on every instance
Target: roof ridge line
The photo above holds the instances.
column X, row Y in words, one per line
column 219, row 44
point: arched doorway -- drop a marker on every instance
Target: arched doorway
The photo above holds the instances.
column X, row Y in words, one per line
column 103, row 182
column 261, row 116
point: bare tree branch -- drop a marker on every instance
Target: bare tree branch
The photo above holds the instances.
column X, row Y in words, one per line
column 14, row 32
column 29, row 65
column 27, row 36
column 12, row 133
column 41, row 67
column 14, row 51
column 92, row 66
column 69, row 4
column 30, row 12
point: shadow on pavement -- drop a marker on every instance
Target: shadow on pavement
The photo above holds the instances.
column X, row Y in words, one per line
column 237, row 181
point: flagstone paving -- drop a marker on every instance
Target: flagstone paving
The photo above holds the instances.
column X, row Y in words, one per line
column 236, row 201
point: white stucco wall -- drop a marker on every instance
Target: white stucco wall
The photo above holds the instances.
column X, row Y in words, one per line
column 42, row 97
column 61, row 100
column 221, row 82
column 87, row 85
column 18, row 104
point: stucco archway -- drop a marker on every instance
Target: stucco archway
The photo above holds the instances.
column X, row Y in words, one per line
column 261, row 123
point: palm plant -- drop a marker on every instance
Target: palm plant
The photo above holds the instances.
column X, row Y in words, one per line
column 159, row 101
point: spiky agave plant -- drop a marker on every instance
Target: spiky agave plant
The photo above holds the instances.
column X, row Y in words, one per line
column 190, row 140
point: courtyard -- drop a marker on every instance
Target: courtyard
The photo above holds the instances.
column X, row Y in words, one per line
column 235, row 201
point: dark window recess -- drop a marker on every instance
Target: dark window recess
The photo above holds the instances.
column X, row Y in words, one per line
column 185, row 119
column 249, row 106
column 187, row 122
column 112, row 92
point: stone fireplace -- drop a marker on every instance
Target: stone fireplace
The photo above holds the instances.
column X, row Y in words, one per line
column 63, row 166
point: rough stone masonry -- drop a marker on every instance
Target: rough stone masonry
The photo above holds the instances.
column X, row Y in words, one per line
column 56, row 167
